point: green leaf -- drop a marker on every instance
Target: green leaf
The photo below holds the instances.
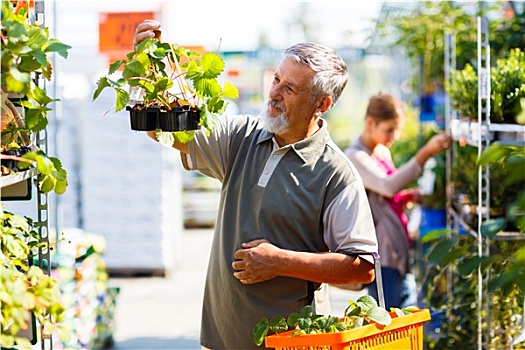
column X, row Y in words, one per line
column 229, row 91
column 163, row 83
column 441, row 249
column 278, row 324
column 122, row 99
column 36, row 119
column 293, row 319
column 44, row 164
column 40, row 96
column 260, row 330
column 307, row 311
column 379, row 315
column 101, row 84
column 493, row 153
column 435, row 234
column 491, row 227
column 366, row 302
column 60, row 186
column 304, row 323
column 59, row 48
column 184, row 136
column 193, row 71
column 468, row 265
column 115, row 66
column 454, row 255
column 207, row 87
column 166, row 139
column 47, row 183
column 212, row 65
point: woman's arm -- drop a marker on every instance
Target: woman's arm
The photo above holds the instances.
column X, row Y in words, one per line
column 375, row 179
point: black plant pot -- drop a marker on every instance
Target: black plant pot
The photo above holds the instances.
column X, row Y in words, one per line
column 17, row 152
column 143, row 119
column 179, row 119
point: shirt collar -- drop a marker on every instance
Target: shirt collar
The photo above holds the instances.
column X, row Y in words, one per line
column 307, row 149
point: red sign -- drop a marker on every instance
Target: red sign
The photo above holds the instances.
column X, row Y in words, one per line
column 116, row 30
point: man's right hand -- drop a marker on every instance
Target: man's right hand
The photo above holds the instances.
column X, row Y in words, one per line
column 147, row 29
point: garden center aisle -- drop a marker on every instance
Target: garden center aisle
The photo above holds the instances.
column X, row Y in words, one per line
column 164, row 313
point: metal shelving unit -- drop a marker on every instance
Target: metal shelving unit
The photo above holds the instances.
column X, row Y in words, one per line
column 18, row 186
column 478, row 134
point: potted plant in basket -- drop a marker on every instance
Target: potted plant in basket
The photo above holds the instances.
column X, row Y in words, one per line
column 169, row 88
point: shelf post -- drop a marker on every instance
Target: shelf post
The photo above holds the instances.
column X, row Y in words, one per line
column 483, row 47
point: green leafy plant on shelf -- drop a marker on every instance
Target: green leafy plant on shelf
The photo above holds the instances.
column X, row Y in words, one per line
column 361, row 312
column 454, row 260
column 25, row 289
column 451, row 287
column 25, row 58
column 27, row 292
column 163, row 75
column 419, row 29
column 507, row 80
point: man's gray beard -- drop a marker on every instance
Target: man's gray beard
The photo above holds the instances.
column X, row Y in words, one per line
column 274, row 125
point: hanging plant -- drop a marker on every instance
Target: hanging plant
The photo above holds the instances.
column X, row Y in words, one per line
column 161, row 80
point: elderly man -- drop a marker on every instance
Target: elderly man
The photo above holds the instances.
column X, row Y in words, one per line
column 292, row 205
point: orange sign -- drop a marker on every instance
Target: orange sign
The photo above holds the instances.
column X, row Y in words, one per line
column 116, row 30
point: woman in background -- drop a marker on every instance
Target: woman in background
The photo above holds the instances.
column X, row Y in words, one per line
column 388, row 194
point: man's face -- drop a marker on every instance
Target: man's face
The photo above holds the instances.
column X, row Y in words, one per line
column 289, row 106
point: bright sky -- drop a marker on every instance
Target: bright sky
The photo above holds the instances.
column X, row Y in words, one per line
column 239, row 24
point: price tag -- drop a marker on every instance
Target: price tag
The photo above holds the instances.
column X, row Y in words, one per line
column 484, row 83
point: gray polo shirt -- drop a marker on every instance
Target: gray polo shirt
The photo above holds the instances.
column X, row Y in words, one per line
column 303, row 197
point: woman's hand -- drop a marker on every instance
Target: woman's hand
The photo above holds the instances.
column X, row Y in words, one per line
column 147, row 29
column 437, row 144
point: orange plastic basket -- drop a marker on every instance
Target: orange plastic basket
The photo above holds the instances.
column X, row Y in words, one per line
column 404, row 333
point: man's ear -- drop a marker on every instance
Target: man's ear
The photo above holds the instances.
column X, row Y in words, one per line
column 324, row 105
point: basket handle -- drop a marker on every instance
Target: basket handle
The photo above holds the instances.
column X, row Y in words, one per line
column 377, row 268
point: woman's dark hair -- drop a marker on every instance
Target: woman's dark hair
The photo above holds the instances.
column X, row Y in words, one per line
column 384, row 107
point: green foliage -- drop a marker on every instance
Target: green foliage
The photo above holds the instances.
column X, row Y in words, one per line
column 452, row 285
column 508, row 87
column 454, row 260
column 25, row 53
column 507, row 80
column 361, row 312
column 462, row 89
column 25, row 56
column 505, row 163
column 51, row 175
column 510, row 161
column 25, row 289
column 364, row 311
column 420, row 32
column 165, row 76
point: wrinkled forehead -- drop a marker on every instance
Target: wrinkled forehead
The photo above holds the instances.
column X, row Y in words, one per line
column 294, row 72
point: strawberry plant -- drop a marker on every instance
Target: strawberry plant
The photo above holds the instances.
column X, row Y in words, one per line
column 167, row 76
column 26, row 48
column 27, row 292
column 25, row 288
column 359, row 313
